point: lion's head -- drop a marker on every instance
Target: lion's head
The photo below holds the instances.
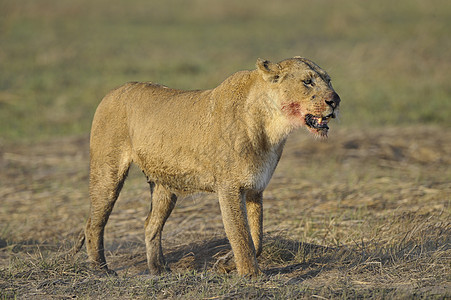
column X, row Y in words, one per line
column 304, row 92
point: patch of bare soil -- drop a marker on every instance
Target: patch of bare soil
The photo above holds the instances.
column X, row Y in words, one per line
column 364, row 214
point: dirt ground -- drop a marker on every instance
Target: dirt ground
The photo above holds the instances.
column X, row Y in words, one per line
column 365, row 213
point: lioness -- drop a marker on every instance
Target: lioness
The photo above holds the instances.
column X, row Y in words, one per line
column 226, row 140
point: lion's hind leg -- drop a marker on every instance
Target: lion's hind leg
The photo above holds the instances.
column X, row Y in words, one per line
column 107, row 176
column 162, row 204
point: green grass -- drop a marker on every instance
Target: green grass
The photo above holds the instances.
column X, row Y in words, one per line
column 389, row 61
column 364, row 215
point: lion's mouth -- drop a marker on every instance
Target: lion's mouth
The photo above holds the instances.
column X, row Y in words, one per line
column 316, row 122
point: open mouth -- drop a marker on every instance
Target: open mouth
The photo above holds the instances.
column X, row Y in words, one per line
column 316, row 122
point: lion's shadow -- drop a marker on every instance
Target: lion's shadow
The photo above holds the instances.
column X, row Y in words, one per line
column 280, row 256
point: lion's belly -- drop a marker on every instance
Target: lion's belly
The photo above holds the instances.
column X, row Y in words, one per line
column 191, row 171
column 182, row 183
column 176, row 175
column 191, row 181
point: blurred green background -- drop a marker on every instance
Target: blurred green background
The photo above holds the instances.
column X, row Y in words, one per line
column 390, row 61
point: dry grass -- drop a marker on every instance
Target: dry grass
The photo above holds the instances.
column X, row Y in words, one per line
column 363, row 215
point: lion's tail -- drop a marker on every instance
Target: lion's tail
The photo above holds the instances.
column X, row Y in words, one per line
column 79, row 243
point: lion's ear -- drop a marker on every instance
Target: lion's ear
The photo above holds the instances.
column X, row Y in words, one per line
column 269, row 71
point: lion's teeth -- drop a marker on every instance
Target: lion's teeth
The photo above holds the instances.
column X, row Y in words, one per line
column 320, row 120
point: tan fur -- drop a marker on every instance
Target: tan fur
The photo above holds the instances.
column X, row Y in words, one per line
column 227, row 140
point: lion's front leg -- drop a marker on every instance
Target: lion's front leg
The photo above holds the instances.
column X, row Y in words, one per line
column 233, row 210
column 254, row 205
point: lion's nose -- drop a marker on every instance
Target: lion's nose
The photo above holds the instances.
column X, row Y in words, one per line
column 335, row 100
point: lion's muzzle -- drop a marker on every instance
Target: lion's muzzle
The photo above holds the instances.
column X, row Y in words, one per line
column 334, row 102
column 319, row 123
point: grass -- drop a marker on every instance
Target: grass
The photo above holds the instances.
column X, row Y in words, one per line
column 363, row 270
column 364, row 215
column 373, row 222
column 59, row 58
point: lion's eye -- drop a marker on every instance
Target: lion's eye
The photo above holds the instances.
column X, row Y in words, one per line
column 308, row 82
